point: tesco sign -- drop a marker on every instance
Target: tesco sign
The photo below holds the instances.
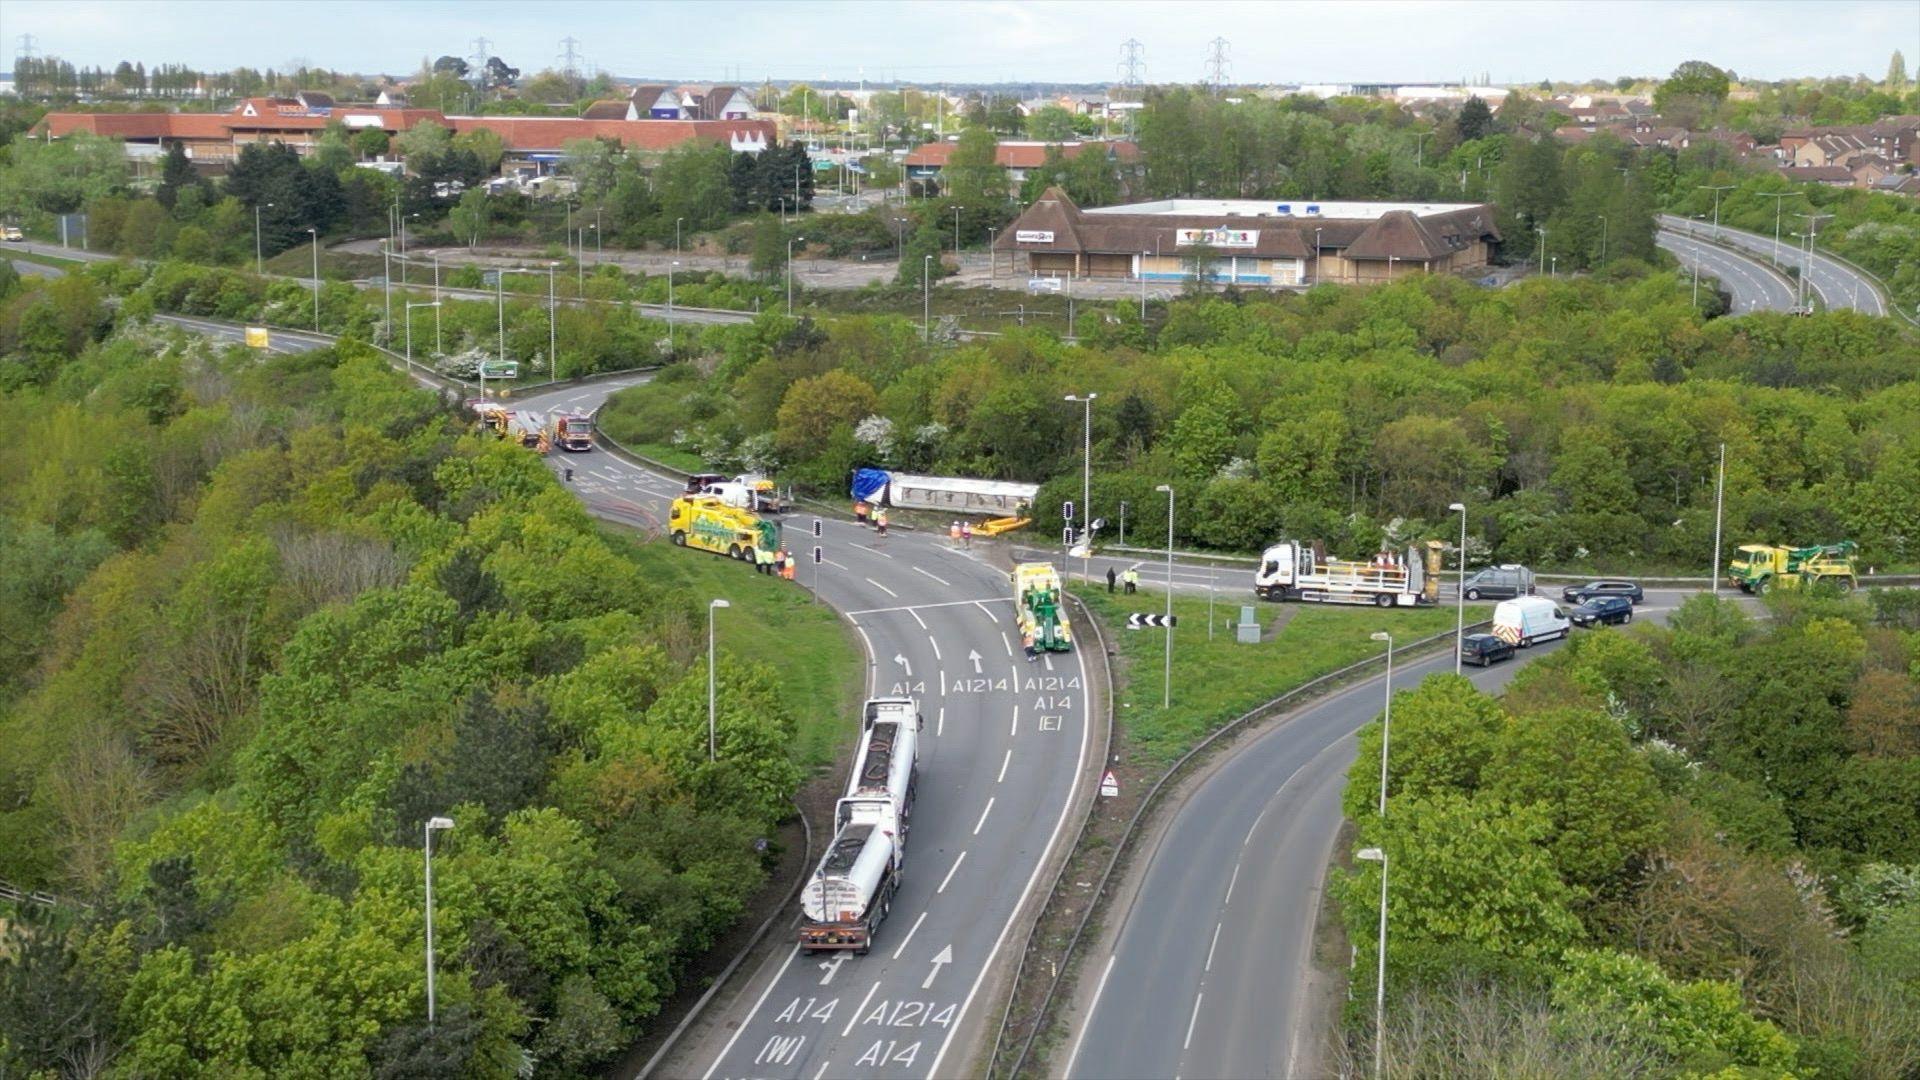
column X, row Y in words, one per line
column 1033, row 236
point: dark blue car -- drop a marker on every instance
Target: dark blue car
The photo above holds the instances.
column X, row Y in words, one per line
column 1600, row 610
column 1574, row 594
column 1484, row 649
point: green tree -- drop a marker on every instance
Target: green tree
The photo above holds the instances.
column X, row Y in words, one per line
column 1445, row 733
column 1693, row 93
column 814, row 407
column 1703, row 1025
column 972, row 172
column 1896, row 82
column 1474, row 121
column 176, row 175
column 470, row 217
column 1579, row 768
column 370, row 142
column 484, row 144
column 1050, row 123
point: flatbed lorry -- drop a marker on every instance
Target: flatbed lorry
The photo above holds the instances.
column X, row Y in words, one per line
column 1297, row 570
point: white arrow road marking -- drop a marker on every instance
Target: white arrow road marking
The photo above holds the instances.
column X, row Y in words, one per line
column 831, row 967
column 945, row 957
column 900, row 658
column 883, row 588
column 975, row 657
column 942, row 581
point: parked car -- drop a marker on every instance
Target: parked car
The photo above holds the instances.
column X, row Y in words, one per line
column 1499, row 583
column 698, row 483
column 1599, row 610
column 1574, row 594
column 1484, row 649
column 12, row 234
column 1525, row 620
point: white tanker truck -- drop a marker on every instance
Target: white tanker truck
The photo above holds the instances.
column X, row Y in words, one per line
column 852, row 889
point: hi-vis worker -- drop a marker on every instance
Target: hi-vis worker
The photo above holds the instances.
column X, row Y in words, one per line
column 953, row 532
column 860, row 512
column 786, row 565
column 763, row 560
column 880, row 521
column 1132, row 579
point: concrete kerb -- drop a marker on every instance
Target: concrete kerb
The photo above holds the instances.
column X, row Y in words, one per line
column 1064, row 857
column 1292, row 698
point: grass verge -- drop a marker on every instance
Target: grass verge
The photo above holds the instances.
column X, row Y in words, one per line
column 1219, row 679
column 772, row 622
column 640, row 416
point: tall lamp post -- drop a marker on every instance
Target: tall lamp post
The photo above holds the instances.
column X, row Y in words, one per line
column 1386, row 722
column 1460, row 590
column 1374, row 854
column 433, row 825
column 1603, row 238
column 256, row 237
column 410, row 307
column 676, row 234
column 926, row 298
column 790, row 243
column 1719, row 501
column 1086, row 482
column 315, row 233
column 1166, row 678
column 1717, row 189
column 712, row 606
column 671, row 343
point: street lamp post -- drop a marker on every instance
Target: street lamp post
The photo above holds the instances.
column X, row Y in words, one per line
column 1166, row 678
column 433, row 824
column 1719, row 502
column 993, row 262
column 676, row 234
column 410, row 308
column 437, row 348
column 712, row 606
column 256, row 236
column 1086, row 482
column 1386, row 721
column 956, row 232
column 1716, row 189
column 1603, row 238
column 1460, row 600
column 1776, row 196
column 671, row 343
column 926, row 298
column 1143, row 288
column 315, row 233
column 790, row 244
column 1374, row 854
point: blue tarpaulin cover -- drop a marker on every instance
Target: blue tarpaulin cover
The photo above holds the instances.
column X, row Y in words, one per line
column 866, row 482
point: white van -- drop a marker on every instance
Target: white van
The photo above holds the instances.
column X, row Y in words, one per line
column 1528, row 619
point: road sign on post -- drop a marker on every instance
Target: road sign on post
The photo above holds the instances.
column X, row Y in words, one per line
column 1139, row 620
column 1109, row 787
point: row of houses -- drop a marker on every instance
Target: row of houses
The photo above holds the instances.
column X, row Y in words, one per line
column 213, row 140
column 1882, row 156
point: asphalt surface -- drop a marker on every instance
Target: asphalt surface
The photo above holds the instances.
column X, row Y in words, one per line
column 1000, row 764
column 1837, row 285
column 1753, row 284
column 1210, row 974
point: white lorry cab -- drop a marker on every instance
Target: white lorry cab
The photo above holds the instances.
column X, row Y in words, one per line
column 1527, row 619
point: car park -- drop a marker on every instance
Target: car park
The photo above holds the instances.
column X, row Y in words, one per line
column 1499, row 583
column 1600, row 610
column 1484, row 649
column 1574, row 594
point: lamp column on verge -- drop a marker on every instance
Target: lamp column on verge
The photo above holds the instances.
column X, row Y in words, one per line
column 790, row 243
column 1719, row 501
column 1374, row 854
column 1460, row 599
column 1086, row 483
column 926, row 298
column 433, row 825
column 1386, row 722
column 1166, row 678
column 671, row 343
column 315, row 233
column 712, row 606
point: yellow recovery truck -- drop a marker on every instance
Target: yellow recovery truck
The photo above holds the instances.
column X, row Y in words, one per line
column 1036, row 598
column 708, row 523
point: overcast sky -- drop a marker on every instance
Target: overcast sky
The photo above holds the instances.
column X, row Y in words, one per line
column 996, row 40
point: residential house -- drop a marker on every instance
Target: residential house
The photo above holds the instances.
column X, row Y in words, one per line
column 613, row 110
column 1018, row 158
column 716, row 103
column 1898, row 138
column 1899, row 184
column 658, row 103
column 1868, row 169
column 1829, row 175
column 1834, row 147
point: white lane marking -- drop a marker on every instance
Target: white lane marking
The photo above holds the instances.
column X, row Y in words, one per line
column 1194, row 1019
column 1074, row 1054
column 823, row 1070
column 1215, row 945
column 855, row 1015
column 1231, row 882
column 873, row 670
column 941, row 724
column 983, row 607
column 941, row 580
column 982, row 823
column 923, row 607
column 1049, row 659
column 936, row 647
column 943, row 682
column 1014, row 729
column 1033, row 879
column 950, row 872
column 909, row 937
column 755, row 1011
column 830, row 562
column 875, row 550
column 1004, row 640
column 1004, row 762
column 886, row 590
column 915, row 614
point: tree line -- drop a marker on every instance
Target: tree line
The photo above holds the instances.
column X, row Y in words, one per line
column 1679, row 850
column 267, row 615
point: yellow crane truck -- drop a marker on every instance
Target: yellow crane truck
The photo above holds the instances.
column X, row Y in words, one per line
column 708, row 523
column 1757, row 568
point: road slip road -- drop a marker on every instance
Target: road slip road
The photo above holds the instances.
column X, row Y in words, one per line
column 1209, row 974
column 1837, row 285
column 1753, row 284
column 999, row 766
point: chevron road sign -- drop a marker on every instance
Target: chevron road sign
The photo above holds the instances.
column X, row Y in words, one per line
column 1137, row 620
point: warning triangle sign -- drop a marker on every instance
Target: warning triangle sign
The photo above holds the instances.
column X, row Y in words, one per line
column 1108, row 785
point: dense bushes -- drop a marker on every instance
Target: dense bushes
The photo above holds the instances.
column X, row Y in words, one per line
column 267, row 614
column 1683, row 849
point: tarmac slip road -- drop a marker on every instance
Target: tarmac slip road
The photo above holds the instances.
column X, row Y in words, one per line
column 1753, row 284
column 1837, row 284
column 1001, row 758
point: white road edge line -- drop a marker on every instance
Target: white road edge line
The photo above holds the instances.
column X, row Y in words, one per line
column 936, row 647
column 771, row 983
column 950, row 872
column 1074, row 1054
column 989, row 614
column 942, row 581
column 1033, row 879
column 909, row 937
column 1231, row 882
column 888, row 591
column 1192, row 1020
column 1215, row 945
column 982, row 823
column 941, row 724
column 1004, row 762
column 910, row 611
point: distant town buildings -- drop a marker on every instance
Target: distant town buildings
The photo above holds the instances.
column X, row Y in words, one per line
column 1248, row 241
column 1019, row 158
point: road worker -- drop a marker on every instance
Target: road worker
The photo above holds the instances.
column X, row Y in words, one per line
column 786, row 565
column 763, row 560
column 966, row 534
column 953, row 532
column 1132, row 580
column 880, row 521
column 860, row 512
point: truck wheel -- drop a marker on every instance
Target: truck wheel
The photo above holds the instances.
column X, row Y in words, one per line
column 1383, row 600
column 1764, row 587
column 1473, row 594
column 733, row 552
column 680, row 539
